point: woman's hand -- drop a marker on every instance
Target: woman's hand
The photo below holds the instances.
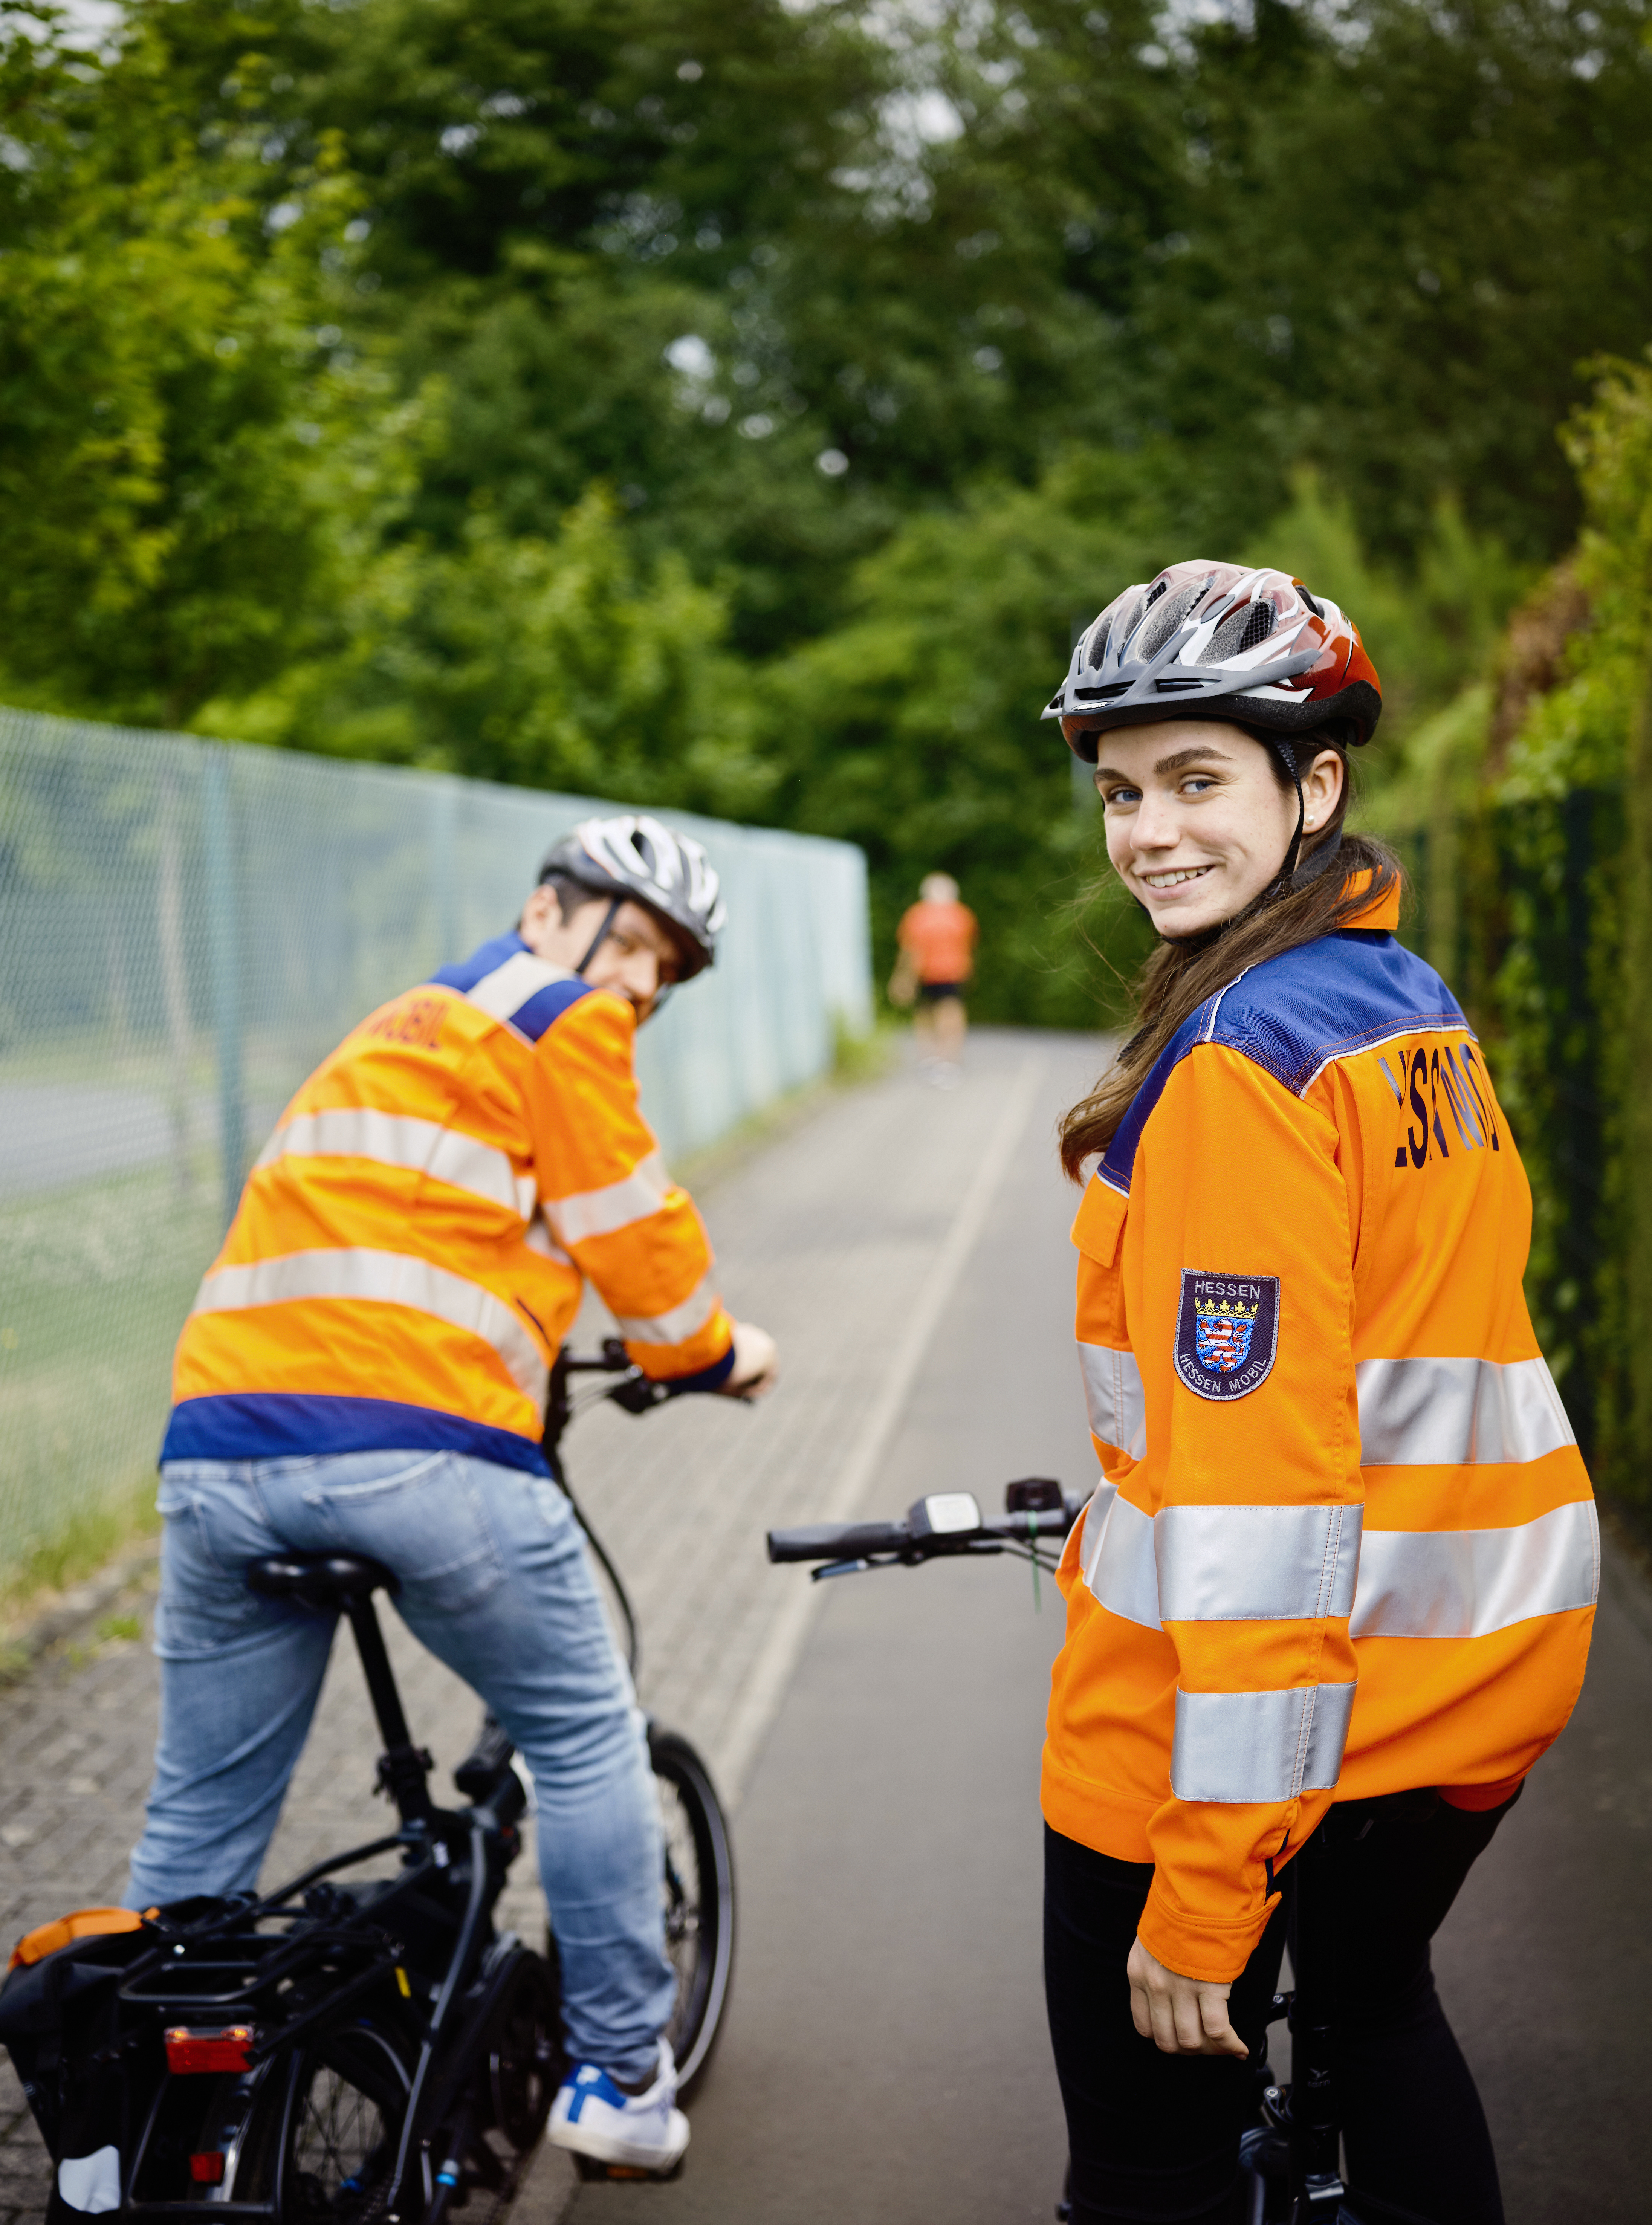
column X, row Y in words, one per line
column 1181, row 2015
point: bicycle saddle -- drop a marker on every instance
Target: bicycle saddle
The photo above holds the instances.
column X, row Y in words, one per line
column 319, row 1581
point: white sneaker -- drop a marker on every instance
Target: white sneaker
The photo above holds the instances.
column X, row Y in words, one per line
column 595, row 2117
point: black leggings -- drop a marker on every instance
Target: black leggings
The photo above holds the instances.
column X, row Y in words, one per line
column 1155, row 2137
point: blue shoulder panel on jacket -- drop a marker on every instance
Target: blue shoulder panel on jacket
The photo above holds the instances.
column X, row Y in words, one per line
column 1295, row 1013
column 535, row 1013
column 547, row 1005
column 465, row 972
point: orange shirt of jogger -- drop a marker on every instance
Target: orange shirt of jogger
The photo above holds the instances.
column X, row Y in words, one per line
column 1342, row 1543
column 939, row 939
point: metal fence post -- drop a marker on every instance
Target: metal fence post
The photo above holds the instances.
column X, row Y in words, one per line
column 225, row 935
column 443, row 878
column 175, row 974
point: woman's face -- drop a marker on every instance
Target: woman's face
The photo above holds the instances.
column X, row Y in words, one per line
column 1198, row 824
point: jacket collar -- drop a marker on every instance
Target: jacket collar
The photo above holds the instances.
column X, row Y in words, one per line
column 1384, row 914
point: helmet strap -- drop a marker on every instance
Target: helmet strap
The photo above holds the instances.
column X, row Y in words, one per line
column 1288, row 870
column 1293, row 874
column 1320, row 860
column 601, row 936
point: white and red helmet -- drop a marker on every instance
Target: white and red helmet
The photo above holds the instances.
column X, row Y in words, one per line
column 1215, row 641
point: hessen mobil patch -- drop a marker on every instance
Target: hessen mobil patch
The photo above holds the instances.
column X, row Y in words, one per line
column 1227, row 1333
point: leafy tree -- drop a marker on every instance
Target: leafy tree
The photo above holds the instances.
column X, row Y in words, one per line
column 1378, row 238
column 551, row 662
column 182, row 452
column 738, row 404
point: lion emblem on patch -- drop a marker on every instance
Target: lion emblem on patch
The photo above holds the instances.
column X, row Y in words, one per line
column 1227, row 1336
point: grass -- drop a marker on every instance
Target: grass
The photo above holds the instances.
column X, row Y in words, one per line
column 97, row 1279
column 86, row 1542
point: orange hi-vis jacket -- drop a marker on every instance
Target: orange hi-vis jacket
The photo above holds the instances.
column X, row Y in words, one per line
column 412, row 1245
column 1343, row 1543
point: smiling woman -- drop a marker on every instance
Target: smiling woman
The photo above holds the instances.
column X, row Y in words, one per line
column 1338, row 1572
column 1199, row 817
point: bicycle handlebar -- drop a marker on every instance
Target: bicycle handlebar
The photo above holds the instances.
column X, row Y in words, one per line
column 945, row 1523
column 837, row 1541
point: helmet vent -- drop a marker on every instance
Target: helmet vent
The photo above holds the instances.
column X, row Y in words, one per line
column 1097, row 647
column 1241, row 630
column 1165, row 620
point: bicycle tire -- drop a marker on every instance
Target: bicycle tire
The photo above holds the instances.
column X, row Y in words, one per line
column 525, row 2060
column 331, row 2122
column 698, row 1888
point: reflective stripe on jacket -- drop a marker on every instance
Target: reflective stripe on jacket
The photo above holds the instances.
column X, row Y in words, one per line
column 1343, row 1543
column 412, row 1245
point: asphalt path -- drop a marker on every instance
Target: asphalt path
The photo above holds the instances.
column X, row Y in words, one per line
column 885, row 2056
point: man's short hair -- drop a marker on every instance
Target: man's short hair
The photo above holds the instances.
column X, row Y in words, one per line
column 569, row 893
column 938, row 888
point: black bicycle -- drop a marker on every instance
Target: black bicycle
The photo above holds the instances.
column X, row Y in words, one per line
column 353, row 2047
column 1290, row 2156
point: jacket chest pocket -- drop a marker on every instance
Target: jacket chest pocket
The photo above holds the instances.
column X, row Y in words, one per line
column 1099, row 1233
column 1112, row 1381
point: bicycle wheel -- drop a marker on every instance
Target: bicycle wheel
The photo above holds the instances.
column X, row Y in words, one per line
column 346, row 2108
column 699, row 1894
column 526, row 2062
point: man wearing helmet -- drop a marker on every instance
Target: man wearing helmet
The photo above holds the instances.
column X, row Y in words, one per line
column 365, row 1369
column 1336, row 1579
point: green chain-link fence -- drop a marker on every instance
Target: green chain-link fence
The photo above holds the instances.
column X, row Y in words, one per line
column 186, row 928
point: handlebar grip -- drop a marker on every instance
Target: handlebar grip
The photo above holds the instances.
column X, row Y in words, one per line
column 837, row 1541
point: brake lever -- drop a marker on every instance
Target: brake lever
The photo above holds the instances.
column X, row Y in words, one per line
column 638, row 1392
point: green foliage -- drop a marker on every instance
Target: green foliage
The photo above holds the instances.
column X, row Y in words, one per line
column 912, row 728
column 550, row 663
column 1374, row 238
column 733, row 403
column 1431, row 630
column 1573, row 827
column 180, row 459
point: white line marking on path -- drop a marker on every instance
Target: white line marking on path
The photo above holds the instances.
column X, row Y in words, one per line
column 772, row 1671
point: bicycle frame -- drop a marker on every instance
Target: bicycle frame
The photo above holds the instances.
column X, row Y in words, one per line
column 413, row 1957
column 1304, row 2121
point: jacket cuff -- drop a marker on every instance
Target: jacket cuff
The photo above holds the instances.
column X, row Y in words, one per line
column 707, row 1379
column 1195, row 1947
column 677, row 1363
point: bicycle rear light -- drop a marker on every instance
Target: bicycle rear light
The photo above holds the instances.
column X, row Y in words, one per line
column 221, row 2047
column 207, row 2169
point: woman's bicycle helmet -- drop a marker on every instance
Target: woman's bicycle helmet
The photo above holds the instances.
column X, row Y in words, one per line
column 1213, row 641
column 636, row 858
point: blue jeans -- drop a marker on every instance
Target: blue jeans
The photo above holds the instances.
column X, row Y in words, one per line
column 496, row 1582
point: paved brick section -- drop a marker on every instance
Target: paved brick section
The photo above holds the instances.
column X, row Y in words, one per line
column 832, row 1237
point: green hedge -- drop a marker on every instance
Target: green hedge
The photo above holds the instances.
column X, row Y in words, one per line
column 1526, row 827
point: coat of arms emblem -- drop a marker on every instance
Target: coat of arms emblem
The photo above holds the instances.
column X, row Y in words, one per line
column 1228, row 1332
column 1222, row 1338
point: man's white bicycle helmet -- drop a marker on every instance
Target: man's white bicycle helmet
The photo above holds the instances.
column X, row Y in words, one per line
column 636, row 857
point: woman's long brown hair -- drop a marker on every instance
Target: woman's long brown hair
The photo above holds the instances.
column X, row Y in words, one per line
column 1179, row 976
